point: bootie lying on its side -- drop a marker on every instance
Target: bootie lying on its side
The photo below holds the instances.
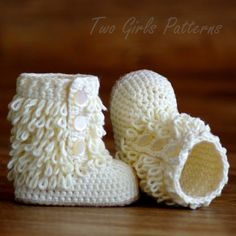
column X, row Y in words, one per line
column 58, row 157
column 176, row 157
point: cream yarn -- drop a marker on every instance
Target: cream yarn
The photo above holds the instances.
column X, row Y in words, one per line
column 58, row 157
column 176, row 157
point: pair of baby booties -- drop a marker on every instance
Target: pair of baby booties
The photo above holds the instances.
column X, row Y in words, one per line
column 58, row 156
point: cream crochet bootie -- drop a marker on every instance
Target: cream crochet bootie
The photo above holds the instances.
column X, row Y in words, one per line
column 176, row 157
column 58, row 156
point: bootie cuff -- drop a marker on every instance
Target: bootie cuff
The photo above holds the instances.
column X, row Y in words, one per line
column 177, row 159
column 196, row 166
column 54, row 86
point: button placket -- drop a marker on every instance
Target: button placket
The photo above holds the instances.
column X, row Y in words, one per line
column 78, row 118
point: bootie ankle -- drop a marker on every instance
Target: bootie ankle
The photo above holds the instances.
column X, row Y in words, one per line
column 58, row 156
column 176, row 157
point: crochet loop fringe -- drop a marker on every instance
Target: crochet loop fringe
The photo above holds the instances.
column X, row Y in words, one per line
column 39, row 144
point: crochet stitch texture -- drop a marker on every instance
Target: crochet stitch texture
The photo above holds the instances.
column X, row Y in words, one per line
column 176, row 157
column 58, row 156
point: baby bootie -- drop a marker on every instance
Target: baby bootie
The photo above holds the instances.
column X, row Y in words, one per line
column 58, row 156
column 176, row 157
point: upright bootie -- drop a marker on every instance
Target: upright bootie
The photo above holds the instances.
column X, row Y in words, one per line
column 58, row 157
column 176, row 157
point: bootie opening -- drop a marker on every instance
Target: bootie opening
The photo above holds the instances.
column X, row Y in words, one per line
column 203, row 170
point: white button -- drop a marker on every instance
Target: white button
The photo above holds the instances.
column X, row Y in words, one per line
column 78, row 147
column 145, row 140
column 80, row 123
column 81, row 98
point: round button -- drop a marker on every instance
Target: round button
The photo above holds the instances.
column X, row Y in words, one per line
column 145, row 140
column 80, row 123
column 78, row 147
column 81, row 98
